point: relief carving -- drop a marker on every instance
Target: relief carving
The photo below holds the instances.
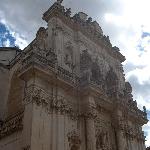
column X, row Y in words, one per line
column 74, row 140
column 102, row 140
column 60, row 104
column 85, row 60
column 111, row 81
column 11, row 125
column 68, row 59
column 41, row 39
column 96, row 72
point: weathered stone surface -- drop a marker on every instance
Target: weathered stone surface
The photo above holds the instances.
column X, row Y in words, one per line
column 66, row 91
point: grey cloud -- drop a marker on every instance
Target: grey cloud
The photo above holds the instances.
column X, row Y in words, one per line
column 25, row 17
column 140, row 89
column 130, row 67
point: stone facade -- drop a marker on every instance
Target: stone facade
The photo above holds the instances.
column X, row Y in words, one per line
column 66, row 91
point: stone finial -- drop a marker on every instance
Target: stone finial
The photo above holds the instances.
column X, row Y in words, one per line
column 68, row 12
column 59, row 1
column 144, row 109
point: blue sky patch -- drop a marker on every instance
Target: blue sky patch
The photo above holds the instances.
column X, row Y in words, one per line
column 5, row 36
column 145, row 34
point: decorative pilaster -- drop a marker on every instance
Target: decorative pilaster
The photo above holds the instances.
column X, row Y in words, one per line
column 90, row 131
column 90, row 116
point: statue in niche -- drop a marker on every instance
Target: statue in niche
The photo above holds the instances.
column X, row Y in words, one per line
column 96, row 73
column 68, row 59
column 85, row 64
column 85, row 60
column 41, row 38
column 111, row 82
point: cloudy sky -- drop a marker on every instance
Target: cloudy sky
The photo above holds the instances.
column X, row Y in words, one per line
column 125, row 21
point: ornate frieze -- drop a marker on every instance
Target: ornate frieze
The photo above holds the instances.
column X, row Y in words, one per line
column 11, row 125
column 37, row 95
column 49, row 102
column 48, row 63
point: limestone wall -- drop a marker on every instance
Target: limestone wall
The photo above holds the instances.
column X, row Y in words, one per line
column 4, row 89
column 12, row 142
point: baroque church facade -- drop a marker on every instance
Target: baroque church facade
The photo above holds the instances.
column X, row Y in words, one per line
column 67, row 91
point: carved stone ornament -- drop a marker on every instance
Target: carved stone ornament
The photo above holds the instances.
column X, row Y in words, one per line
column 102, row 140
column 90, row 113
column 111, row 83
column 60, row 104
column 37, row 95
column 68, row 12
column 26, row 148
column 11, row 125
column 85, row 60
column 74, row 140
column 96, row 73
column 68, row 59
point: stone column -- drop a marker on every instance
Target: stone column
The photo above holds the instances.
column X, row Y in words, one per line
column 90, row 134
column 90, row 115
column 121, row 139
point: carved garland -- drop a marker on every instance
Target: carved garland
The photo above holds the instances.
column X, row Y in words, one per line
column 51, row 103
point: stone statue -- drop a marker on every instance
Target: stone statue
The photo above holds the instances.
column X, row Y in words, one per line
column 59, row 1
column 68, row 12
column 89, row 20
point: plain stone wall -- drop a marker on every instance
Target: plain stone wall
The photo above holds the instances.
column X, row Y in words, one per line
column 12, row 142
column 4, row 80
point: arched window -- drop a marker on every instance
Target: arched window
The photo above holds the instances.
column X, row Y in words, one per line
column 68, row 52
